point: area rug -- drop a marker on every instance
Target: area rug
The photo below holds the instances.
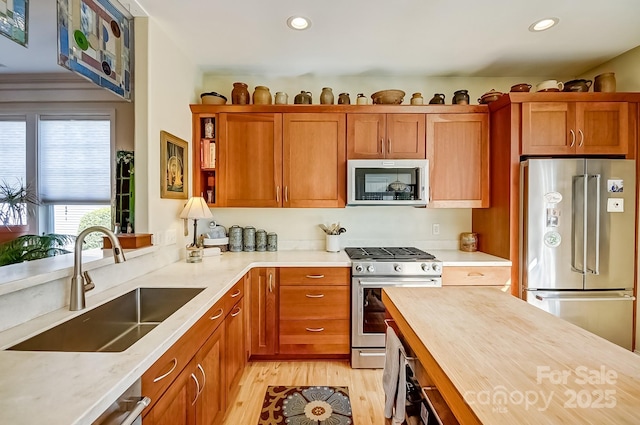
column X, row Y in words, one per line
column 306, row 406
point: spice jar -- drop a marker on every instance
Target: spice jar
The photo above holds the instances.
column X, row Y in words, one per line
column 468, row 241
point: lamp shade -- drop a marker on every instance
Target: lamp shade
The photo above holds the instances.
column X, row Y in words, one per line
column 196, row 208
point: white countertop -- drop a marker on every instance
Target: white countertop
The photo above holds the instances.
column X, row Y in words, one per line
column 75, row 388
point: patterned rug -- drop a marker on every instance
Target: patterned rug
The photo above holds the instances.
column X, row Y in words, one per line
column 306, row 406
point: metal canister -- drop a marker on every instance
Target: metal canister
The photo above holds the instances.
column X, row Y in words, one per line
column 272, row 241
column 249, row 238
column 261, row 240
column 235, row 238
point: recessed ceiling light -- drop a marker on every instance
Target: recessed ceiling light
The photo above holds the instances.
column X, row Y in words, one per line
column 543, row 24
column 298, row 23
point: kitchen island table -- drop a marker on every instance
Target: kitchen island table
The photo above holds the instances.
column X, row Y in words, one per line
column 495, row 359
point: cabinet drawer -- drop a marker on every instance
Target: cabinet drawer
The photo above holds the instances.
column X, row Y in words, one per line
column 314, row 337
column 477, row 276
column 165, row 370
column 315, row 276
column 233, row 295
column 314, row 302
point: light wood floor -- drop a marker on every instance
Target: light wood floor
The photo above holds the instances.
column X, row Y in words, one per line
column 365, row 388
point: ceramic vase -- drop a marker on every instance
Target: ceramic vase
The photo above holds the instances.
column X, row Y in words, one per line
column 240, row 94
column 326, row 97
column 261, row 96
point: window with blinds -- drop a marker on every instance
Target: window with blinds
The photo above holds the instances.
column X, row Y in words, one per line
column 13, row 171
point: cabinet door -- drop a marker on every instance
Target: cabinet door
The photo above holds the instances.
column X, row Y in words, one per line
column 602, row 128
column 250, row 160
column 314, row 160
column 405, row 136
column 264, row 311
column 458, row 153
column 175, row 406
column 210, row 372
column 234, row 346
column 548, row 128
column 365, row 136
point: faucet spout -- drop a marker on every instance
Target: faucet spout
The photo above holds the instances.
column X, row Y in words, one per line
column 77, row 301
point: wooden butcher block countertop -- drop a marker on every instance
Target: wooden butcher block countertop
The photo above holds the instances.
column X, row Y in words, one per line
column 497, row 360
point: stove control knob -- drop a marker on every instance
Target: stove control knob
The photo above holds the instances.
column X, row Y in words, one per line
column 397, row 268
column 436, row 267
column 370, row 269
column 425, row 267
column 359, row 268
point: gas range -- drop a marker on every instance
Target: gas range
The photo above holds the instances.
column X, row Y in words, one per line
column 393, row 261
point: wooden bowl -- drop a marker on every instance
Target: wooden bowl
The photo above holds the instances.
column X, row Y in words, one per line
column 388, row 97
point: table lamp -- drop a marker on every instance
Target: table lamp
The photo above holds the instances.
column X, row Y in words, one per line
column 195, row 209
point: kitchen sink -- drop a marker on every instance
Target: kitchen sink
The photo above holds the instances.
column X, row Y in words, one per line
column 113, row 326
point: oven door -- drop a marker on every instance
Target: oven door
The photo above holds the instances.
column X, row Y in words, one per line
column 368, row 313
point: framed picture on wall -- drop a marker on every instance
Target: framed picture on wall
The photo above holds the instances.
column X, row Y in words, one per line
column 174, row 167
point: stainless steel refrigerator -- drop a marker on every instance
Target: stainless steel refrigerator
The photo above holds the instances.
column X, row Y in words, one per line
column 578, row 225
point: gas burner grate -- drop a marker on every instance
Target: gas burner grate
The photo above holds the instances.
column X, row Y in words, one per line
column 388, row 253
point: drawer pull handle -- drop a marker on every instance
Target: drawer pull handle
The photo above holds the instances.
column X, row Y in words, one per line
column 175, row 363
column 204, row 377
column 217, row 316
column 237, row 312
column 197, row 389
column 315, row 276
column 270, row 282
column 315, row 295
column 235, row 294
column 475, row 274
column 315, row 329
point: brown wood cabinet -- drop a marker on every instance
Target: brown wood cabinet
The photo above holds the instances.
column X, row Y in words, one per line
column 190, row 383
column 575, row 128
column 476, row 276
column 250, row 163
column 458, row 154
column 264, row 311
column 314, row 311
column 314, row 161
column 396, row 136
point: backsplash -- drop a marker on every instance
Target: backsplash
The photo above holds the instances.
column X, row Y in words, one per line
column 297, row 228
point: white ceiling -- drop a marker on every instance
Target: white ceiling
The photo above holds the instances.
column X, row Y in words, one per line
column 369, row 37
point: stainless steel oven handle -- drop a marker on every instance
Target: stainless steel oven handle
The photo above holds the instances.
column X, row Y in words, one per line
column 137, row 411
column 409, row 282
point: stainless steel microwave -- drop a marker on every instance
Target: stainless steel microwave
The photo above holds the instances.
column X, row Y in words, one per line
column 388, row 182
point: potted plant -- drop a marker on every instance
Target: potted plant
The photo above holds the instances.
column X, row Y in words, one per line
column 15, row 201
column 34, row 247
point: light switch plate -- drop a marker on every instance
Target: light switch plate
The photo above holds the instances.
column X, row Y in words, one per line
column 615, row 205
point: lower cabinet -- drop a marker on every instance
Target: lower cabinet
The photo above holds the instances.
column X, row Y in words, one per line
column 264, row 311
column 190, row 383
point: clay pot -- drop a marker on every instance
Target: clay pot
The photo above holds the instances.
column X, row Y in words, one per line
column 281, row 98
column 240, row 94
column 326, row 97
column 344, row 99
column 460, row 97
column 261, row 96
column 417, row 99
column 302, row 98
column 577, row 86
column 522, row 87
column 490, row 96
column 437, row 99
column 605, row 82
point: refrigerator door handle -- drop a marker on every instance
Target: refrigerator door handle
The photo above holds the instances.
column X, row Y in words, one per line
column 595, row 245
column 574, row 298
column 579, row 235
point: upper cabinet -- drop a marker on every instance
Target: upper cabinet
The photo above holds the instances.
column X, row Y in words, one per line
column 575, row 128
column 458, row 154
column 393, row 136
column 282, row 160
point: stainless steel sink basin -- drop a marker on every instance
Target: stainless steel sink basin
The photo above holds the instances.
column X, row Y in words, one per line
column 114, row 326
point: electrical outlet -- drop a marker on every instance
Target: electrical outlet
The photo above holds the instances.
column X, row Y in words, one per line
column 435, row 229
column 157, row 239
column 171, row 237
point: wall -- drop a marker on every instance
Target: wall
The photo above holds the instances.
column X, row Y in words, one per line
column 627, row 69
column 166, row 82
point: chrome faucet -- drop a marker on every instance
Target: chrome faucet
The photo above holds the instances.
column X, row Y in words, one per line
column 78, row 286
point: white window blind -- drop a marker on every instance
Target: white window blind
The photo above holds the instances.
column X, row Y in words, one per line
column 74, row 160
column 13, row 151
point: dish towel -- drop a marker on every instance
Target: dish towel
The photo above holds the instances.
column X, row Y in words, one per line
column 394, row 378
